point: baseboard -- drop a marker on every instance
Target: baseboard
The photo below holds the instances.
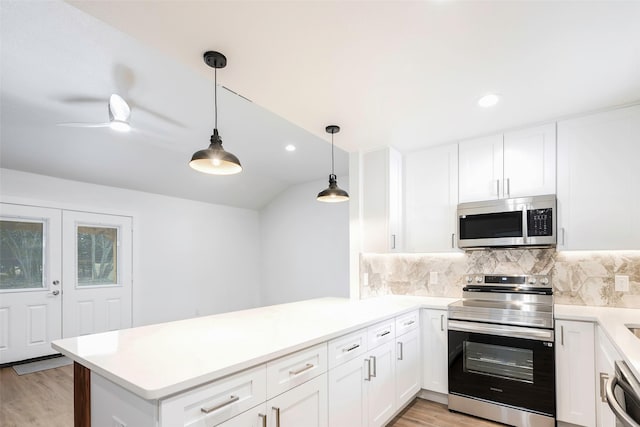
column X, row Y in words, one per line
column 434, row 396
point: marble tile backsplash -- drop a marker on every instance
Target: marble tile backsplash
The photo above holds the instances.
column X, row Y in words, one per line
column 579, row 278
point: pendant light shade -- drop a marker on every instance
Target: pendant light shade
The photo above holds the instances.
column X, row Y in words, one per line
column 215, row 160
column 333, row 193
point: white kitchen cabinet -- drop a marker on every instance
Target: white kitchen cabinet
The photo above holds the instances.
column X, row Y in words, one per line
column 606, row 355
column 381, row 200
column 575, row 368
column 515, row 164
column 599, row 181
column 430, row 199
column 434, row 351
column 254, row 417
column 304, row 405
column 381, row 393
column 408, row 381
column 348, row 394
column 292, row 370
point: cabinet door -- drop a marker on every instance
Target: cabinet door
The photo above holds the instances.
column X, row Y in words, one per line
column 599, row 181
column 381, row 200
column 348, row 387
column 530, row 162
column 480, row 168
column 431, row 198
column 606, row 355
column 304, row 405
column 254, row 417
column 382, row 385
column 575, row 372
column 435, row 363
column 408, row 379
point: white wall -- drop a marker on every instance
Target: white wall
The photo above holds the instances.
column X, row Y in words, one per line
column 305, row 245
column 190, row 258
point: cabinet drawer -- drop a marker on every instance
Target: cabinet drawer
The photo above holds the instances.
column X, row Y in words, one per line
column 407, row 322
column 254, row 417
column 210, row 405
column 347, row 347
column 295, row 369
column 381, row 333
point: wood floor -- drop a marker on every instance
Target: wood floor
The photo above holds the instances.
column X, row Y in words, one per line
column 45, row 398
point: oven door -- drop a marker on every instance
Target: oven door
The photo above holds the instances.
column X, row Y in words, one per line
column 508, row 365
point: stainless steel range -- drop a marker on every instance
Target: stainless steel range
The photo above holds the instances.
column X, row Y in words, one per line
column 501, row 350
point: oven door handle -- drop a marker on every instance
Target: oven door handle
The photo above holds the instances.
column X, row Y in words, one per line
column 502, row 330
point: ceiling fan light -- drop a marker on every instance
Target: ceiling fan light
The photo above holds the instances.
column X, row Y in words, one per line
column 118, row 108
column 119, row 126
column 333, row 194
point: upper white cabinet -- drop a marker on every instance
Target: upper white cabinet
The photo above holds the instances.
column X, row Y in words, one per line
column 381, row 200
column 599, row 181
column 430, row 199
column 514, row 164
column 575, row 367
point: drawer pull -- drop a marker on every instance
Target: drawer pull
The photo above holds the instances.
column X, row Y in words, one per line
column 383, row 334
column 231, row 399
column 263, row 417
column 301, row 370
column 409, row 323
column 353, row 347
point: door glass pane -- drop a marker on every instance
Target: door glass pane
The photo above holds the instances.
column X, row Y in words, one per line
column 492, row 225
column 97, row 256
column 499, row 361
column 21, row 254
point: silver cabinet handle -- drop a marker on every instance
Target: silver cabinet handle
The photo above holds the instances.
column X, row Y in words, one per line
column 561, row 335
column 603, row 386
column 212, row 408
column 263, row 417
column 373, row 359
column 498, row 188
column 562, row 229
column 393, row 241
column 400, row 355
column 353, row 347
column 508, row 188
column 277, row 415
column 453, row 238
column 368, row 362
column 55, row 293
column 301, row 370
column 381, row 334
column 442, row 322
column 410, row 322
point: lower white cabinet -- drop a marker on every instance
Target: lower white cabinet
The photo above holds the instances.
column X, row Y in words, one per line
column 408, row 381
column 304, row 405
column 434, row 351
column 381, row 391
column 348, row 394
column 575, row 367
column 254, row 417
column 606, row 355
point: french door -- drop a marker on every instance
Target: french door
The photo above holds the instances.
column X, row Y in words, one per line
column 62, row 274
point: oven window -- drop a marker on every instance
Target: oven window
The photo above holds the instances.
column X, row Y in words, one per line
column 491, row 226
column 498, row 361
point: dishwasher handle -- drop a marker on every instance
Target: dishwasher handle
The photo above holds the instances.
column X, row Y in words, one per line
column 625, row 380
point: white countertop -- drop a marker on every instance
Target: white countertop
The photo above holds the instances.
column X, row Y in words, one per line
column 156, row 361
column 614, row 323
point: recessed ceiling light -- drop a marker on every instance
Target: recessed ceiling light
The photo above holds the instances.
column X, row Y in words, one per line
column 489, row 100
column 290, row 147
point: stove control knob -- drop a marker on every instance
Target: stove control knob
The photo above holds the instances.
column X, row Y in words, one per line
column 469, row 279
column 544, row 281
column 478, row 279
column 532, row 280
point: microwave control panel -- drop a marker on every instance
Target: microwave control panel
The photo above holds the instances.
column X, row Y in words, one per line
column 540, row 222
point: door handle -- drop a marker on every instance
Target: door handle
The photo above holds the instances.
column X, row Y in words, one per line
column 263, row 417
column 55, row 293
column 373, row 359
column 277, row 415
column 603, row 386
column 400, row 351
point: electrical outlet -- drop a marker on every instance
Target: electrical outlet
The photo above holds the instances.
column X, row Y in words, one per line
column 365, row 279
column 433, row 278
column 622, row 283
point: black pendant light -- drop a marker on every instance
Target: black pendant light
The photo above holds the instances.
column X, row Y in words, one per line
column 333, row 194
column 215, row 160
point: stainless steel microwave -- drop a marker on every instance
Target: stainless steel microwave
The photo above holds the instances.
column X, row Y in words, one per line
column 523, row 221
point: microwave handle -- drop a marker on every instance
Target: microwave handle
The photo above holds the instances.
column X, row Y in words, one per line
column 498, row 188
column 525, row 234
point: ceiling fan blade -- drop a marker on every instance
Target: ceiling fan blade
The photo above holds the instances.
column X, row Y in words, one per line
column 84, row 125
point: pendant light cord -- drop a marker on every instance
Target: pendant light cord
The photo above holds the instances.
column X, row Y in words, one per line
column 215, row 97
column 332, row 169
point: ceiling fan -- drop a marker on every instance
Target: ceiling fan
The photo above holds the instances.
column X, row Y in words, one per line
column 119, row 115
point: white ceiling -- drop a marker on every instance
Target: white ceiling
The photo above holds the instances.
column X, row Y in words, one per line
column 400, row 73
